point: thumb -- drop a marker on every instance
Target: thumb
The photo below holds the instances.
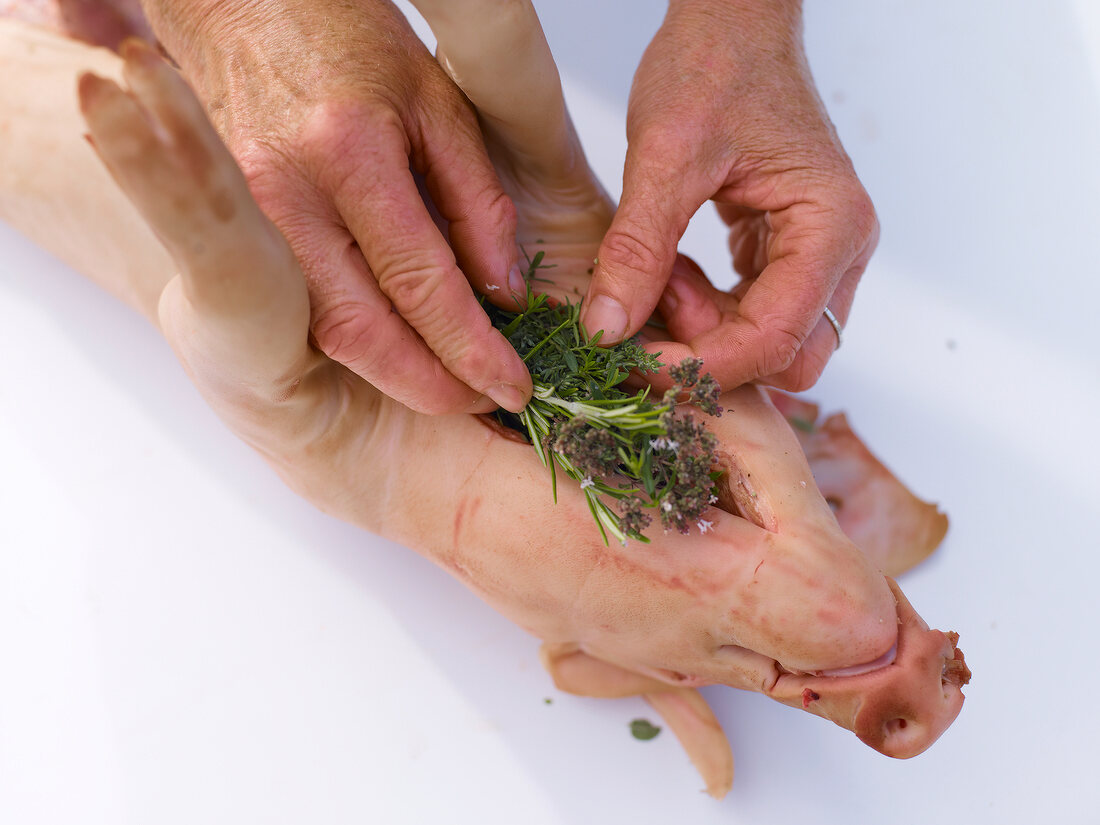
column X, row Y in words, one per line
column 636, row 255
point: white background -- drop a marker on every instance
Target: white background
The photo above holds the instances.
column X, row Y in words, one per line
column 182, row 640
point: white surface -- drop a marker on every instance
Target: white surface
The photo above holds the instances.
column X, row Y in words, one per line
column 182, row 640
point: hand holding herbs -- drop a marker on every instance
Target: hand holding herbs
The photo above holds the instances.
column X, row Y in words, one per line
column 626, row 450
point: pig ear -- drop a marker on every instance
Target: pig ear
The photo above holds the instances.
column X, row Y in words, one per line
column 684, row 710
column 765, row 476
column 894, row 528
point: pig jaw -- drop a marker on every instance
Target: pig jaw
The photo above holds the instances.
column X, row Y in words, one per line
column 900, row 709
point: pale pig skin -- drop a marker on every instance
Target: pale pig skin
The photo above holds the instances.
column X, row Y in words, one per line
column 771, row 596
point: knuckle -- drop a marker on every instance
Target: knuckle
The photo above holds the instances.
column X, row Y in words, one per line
column 625, row 248
column 800, row 376
column 340, row 135
column 497, row 209
column 331, row 123
column 863, row 215
column 853, row 202
column 343, row 333
column 781, row 348
column 414, row 290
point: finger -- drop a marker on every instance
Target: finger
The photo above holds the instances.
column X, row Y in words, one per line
column 690, row 304
column 810, row 252
column 417, row 270
column 481, row 218
column 237, row 274
column 637, row 253
column 748, row 231
column 354, row 323
column 823, row 341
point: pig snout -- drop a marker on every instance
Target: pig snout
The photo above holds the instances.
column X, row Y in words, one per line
column 909, row 706
column 899, row 709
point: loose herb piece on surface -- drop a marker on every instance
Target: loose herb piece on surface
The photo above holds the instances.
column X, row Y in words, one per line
column 643, row 729
column 624, row 449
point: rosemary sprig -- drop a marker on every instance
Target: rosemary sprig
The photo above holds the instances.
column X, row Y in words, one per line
column 626, row 450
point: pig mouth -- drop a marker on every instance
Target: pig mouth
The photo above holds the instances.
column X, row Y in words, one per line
column 882, row 661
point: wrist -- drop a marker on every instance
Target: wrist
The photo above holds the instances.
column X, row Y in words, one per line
column 755, row 26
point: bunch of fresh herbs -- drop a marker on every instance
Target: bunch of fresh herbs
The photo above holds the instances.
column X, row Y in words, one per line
column 633, row 456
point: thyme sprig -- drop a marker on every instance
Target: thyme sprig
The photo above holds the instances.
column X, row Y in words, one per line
column 631, row 454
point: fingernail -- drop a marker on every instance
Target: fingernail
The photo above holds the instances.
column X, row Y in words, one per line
column 482, row 405
column 507, row 396
column 516, row 284
column 607, row 314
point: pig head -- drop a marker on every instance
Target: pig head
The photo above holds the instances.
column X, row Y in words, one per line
column 816, row 623
column 899, row 708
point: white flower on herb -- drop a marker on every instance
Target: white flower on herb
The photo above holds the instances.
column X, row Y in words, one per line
column 705, row 525
column 713, row 499
column 666, row 506
column 587, row 482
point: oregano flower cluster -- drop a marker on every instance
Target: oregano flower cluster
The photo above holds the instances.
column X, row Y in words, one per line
column 635, row 458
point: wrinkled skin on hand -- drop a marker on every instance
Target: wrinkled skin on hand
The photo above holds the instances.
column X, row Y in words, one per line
column 774, row 598
column 330, row 108
column 723, row 107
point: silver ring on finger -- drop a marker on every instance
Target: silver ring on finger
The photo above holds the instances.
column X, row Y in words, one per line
column 837, row 328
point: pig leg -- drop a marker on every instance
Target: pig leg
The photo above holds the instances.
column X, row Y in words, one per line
column 98, row 22
column 53, row 188
column 684, row 710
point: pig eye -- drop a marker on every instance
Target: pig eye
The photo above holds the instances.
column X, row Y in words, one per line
column 833, row 502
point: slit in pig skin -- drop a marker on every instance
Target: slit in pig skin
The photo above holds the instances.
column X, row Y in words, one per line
column 491, row 421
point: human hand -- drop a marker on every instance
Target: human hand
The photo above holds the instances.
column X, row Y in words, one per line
column 330, row 108
column 723, row 107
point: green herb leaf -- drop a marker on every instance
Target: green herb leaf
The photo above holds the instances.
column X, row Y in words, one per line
column 623, row 448
column 643, row 729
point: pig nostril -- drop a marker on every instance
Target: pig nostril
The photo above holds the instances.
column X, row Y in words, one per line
column 894, row 725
